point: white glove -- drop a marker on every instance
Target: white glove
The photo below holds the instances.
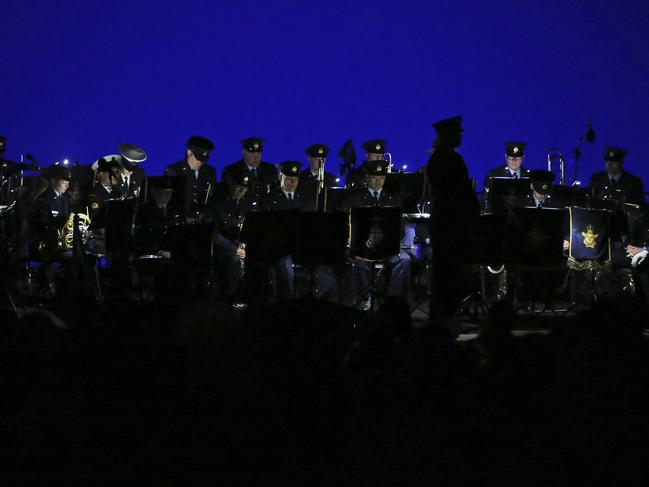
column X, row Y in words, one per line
column 637, row 259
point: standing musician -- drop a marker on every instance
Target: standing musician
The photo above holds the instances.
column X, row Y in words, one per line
column 154, row 218
column 513, row 168
column 452, row 219
column 262, row 175
column 309, row 178
column 373, row 194
column 132, row 176
column 232, row 202
column 614, row 181
column 195, row 180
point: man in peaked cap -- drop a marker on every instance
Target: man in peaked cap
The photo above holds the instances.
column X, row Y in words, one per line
column 541, row 191
column 51, row 209
column 108, row 179
column 263, row 176
column 317, row 156
column 194, row 180
column 614, row 181
column 232, row 203
column 373, row 194
column 513, row 168
column 287, row 196
column 132, row 175
column 374, row 151
column 452, row 218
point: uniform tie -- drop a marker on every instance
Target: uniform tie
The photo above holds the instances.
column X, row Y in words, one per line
column 515, row 175
column 376, row 195
column 253, row 173
column 290, row 196
column 613, row 183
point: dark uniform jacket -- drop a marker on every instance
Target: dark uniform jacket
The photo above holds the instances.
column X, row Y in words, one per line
column 97, row 205
column 309, row 185
column 48, row 214
column 136, row 182
column 230, row 215
column 361, row 197
column 277, row 200
column 451, row 189
column 630, row 185
column 191, row 193
column 262, row 183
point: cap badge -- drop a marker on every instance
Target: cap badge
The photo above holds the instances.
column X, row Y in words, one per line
column 256, row 145
column 294, row 169
column 545, row 186
column 379, row 168
column 515, row 150
column 610, row 154
column 320, row 150
column 378, row 146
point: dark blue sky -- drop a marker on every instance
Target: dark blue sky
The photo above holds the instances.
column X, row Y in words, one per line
column 81, row 77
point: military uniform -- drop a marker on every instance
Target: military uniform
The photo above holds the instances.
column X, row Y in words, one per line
column 512, row 149
column 623, row 186
column 230, row 216
column 453, row 214
column 356, row 177
column 261, row 178
column 398, row 266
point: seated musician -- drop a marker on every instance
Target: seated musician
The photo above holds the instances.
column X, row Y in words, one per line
column 154, row 218
column 373, row 194
column 262, row 176
column 317, row 157
column 615, row 182
column 194, row 179
column 540, row 195
column 47, row 217
column 232, row 202
column 108, row 179
column 513, row 168
column 288, row 197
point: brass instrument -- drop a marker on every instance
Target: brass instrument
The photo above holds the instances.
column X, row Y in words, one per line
column 66, row 234
column 556, row 163
column 388, row 157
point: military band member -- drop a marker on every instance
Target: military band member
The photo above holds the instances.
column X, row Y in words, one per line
column 317, row 157
column 49, row 212
column 107, row 179
column 286, row 196
column 154, row 218
column 232, row 202
column 452, row 217
column 372, row 193
column 194, row 180
column 540, row 195
column 614, row 181
column 262, row 175
column 132, row 175
column 513, row 168
column 374, row 151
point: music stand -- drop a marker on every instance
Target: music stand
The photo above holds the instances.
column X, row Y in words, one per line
column 505, row 193
column 375, row 237
column 409, row 186
column 269, row 235
column 120, row 215
column 375, row 232
column 534, row 244
column 571, row 195
column 334, row 198
column 321, row 238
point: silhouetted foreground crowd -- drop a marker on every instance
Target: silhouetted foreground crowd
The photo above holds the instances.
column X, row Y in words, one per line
column 315, row 394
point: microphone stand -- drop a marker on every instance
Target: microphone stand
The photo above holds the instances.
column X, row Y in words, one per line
column 320, row 184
